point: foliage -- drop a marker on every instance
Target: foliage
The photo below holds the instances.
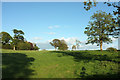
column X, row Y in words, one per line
column 5, row 38
column 55, row 43
column 112, row 49
column 89, row 4
column 18, row 34
column 23, row 46
column 73, row 47
column 62, row 46
column 99, row 30
column 7, row 46
column 17, row 42
column 18, row 37
column 36, row 47
column 77, row 44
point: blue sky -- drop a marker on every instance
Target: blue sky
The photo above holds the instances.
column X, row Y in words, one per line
column 44, row 21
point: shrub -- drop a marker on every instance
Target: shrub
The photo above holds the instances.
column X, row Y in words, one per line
column 111, row 49
column 36, row 47
column 23, row 46
column 7, row 46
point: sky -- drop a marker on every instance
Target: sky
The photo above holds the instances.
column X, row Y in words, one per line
column 44, row 21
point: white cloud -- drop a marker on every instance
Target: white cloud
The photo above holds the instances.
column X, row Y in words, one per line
column 55, row 26
column 36, row 39
column 51, row 33
column 70, row 41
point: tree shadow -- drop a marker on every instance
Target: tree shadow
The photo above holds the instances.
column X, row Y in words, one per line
column 16, row 65
column 86, row 55
column 103, row 76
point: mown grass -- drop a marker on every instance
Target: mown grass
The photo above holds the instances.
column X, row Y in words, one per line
column 60, row 64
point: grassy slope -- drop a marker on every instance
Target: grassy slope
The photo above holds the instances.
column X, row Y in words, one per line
column 59, row 64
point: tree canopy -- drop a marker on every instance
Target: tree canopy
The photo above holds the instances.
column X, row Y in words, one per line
column 5, row 38
column 90, row 3
column 17, row 42
column 100, row 27
column 55, row 43
column 60, row 44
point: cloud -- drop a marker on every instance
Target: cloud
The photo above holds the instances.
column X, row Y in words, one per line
column 55, row 26
column 51, row 33
column 70, row 41
column 36, row 39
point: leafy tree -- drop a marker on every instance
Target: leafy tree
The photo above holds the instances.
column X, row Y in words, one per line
column 5, row 38
column 73, row 47
column 18, row 37
column 111, row 49
column 90, row 3
column 23, row 46
column 77, row 44
column 31, row 44
column 55, row 43
column 98, row 31
column 36, row 47
column 18, row 34
column 62, row 45
column 7, row 46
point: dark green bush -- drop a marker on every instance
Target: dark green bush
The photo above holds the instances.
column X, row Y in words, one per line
column 35, row 47
column 7, row 46
column 23, row 46
column 111, row 49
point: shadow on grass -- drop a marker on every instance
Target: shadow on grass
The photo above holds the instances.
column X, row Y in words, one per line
column 103, row 76
column 85, row 55
column 16, row 65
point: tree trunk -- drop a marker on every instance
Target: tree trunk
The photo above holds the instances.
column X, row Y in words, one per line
column 14, row 47
column 101, row 45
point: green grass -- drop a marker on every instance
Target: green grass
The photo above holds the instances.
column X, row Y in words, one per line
column 59, row 64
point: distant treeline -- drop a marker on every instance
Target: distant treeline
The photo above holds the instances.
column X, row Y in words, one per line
column 17, row 42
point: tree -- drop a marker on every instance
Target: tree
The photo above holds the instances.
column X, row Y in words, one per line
column 55, row 43
column 99, row 30
column 18, row 34
column 62, row 46
column 90, row 3
column 31, row 44
column 5, row 38
column 18, row 37
column 73, row 47
column 36, row 47
column 77, row 44
column 23, row 46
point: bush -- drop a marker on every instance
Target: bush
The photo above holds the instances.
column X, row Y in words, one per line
column 23, row 46
column 111, row 49
column 36, row 47
column 7, row 46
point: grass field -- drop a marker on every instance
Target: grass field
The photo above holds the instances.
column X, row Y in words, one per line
column 59, row 64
